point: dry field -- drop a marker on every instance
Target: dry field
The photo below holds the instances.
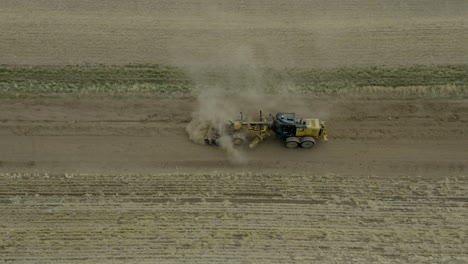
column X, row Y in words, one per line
column 297, row 33
column 96, row 165
column 233, row 218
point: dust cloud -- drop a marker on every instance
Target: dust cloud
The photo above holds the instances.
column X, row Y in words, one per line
column 223, row 98
column 213, row 114
column 231, row 82
column 232, row 78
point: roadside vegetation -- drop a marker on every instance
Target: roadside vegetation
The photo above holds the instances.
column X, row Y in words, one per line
column 166, row 81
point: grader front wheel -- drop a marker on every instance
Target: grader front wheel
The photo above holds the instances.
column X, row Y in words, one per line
column 291, row 142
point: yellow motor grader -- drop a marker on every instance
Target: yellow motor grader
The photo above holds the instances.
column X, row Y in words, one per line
column 295, row 132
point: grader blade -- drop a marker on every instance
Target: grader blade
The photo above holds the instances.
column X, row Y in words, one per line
column 211, row 136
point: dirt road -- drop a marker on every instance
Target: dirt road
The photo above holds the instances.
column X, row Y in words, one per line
column 106, row 136
column 118, row 181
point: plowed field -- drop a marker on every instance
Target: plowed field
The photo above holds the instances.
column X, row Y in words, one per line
column 297, row 33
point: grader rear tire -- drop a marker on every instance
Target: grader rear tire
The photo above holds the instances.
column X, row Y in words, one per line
column 307, row 142
column 238, row 139
column 292, row 142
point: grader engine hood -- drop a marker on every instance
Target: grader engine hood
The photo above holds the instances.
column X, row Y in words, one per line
column 308, row 128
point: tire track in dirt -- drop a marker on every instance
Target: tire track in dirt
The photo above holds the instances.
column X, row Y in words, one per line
column 347, row 119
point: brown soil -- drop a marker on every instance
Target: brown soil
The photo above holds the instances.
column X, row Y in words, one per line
column 143, row 135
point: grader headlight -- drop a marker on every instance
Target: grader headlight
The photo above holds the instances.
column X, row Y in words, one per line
column 237, row 125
